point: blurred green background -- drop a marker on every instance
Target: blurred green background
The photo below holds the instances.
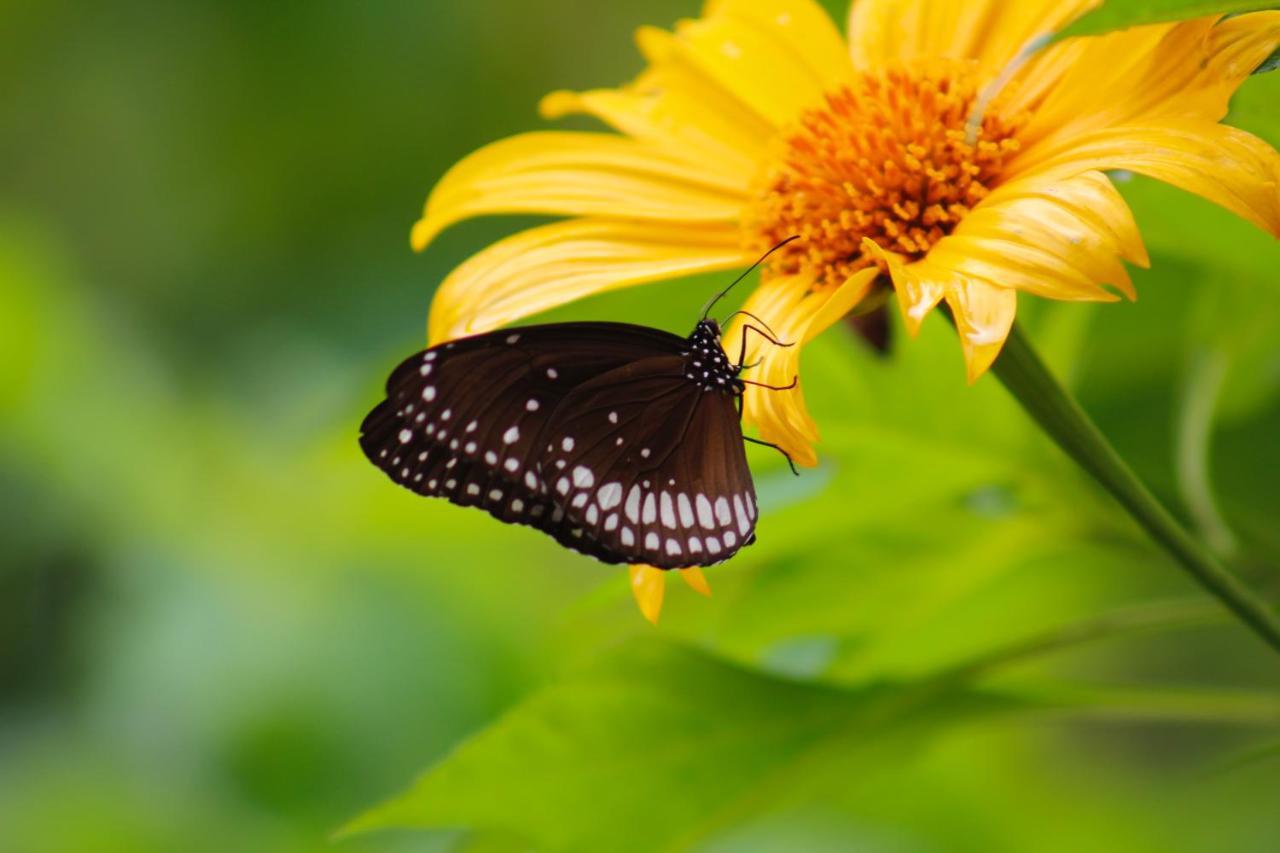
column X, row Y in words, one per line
column 220, row 629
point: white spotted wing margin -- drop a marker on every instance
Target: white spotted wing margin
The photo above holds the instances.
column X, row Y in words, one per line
column 654, row 468
column 573, row 429
column 464, row 420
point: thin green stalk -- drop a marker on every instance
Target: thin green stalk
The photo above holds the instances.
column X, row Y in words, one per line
column 1029, row 380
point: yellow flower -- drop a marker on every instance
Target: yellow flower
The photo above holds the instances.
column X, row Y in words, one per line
column 935, row 146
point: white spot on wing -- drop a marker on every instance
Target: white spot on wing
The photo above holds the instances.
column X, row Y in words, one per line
column 632, row 508
column 582, row 477
column 651, row 541
column 673, row 548
column 628, row 538
column 650, row 509
column 668, row 511
column 722, row 512
column 744, row 523
column 610, row 495
column 567, row 444
column 429, row 393
column 686, row 509
column 512, row 435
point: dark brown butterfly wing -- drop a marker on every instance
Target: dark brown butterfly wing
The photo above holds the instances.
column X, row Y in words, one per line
column 465, row 420
column 652, row 466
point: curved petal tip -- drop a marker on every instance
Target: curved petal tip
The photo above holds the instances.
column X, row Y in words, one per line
column 648, row 585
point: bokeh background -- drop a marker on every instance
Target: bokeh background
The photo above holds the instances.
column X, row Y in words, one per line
column 220, row 629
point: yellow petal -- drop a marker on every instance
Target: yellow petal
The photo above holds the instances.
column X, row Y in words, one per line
column 578, row 174
column 983, row 314
column 802, row 27
column 1058, row 238
column 1227, row 166
column 648, row 585
column 696, row 580
column 716, row 90
column 797, row 316
column 1143, row 75
column 919, row 286
column 991, row 32
column 672, row 117
column 983, row 311
column 544, row 267
column 748, row 67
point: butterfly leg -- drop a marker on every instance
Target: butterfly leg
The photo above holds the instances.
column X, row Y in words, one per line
column 742, row 350
column 795, row 380
column 758, row 320
column 785, row 454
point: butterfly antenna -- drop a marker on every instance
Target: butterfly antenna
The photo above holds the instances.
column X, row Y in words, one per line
column 750, row 270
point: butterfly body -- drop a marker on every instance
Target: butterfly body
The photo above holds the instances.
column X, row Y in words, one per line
column 622, row 442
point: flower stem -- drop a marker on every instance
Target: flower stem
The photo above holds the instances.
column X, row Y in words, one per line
column 1022, row 371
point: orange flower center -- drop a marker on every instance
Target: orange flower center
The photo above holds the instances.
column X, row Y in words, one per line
column 885, row 157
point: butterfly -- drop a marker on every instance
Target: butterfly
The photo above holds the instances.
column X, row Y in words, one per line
column 620, row 441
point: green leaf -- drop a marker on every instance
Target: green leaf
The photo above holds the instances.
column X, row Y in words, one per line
column 622, row 755
column 1121, row 14
column 657, row 747
column 651, row 747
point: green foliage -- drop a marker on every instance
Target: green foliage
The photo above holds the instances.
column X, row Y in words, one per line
column 655, row 747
